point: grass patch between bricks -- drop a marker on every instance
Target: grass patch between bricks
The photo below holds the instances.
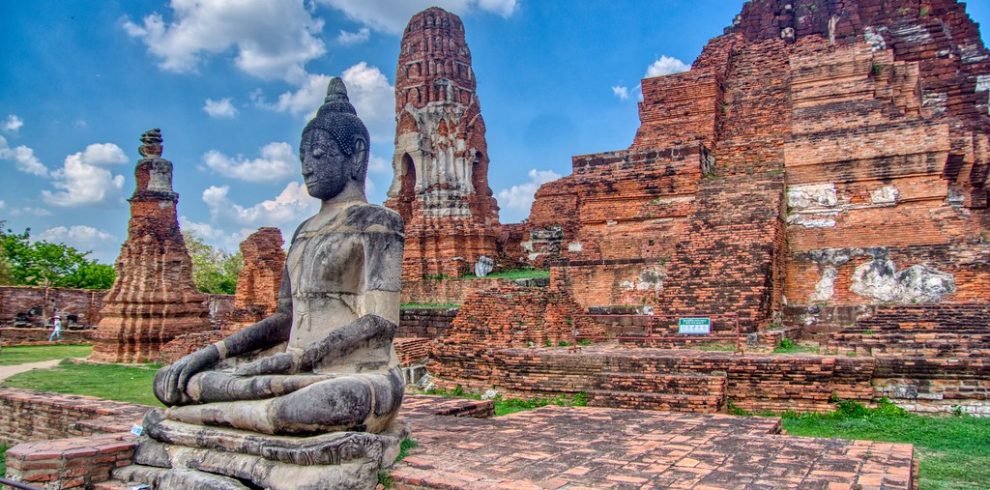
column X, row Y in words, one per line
column 23, row 354
column 120, row 382
column 506, row 406
column 3, row 459
column 512, row 274
column 428, row 306
column 954, row 451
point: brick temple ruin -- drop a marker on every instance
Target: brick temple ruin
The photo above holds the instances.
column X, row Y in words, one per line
column 259, row 280
column 441, row 157
column 153, row 299
column 820, row 172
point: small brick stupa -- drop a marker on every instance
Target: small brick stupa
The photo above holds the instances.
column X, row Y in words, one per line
column 153, row 299
column 441, row 156
column 259, row 280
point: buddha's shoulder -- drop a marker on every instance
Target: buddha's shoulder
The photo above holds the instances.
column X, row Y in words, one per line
column 371, row 217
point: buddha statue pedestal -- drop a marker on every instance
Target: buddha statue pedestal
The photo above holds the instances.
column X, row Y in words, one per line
column 180, row 455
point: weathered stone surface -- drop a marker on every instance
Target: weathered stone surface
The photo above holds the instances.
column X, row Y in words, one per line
column 153, row 299
column 441, row 157
column 259, row 280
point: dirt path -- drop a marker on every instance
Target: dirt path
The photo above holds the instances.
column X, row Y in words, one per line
column 8, row 371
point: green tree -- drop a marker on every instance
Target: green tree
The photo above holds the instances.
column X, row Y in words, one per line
column 214, row 271
column 41, row 263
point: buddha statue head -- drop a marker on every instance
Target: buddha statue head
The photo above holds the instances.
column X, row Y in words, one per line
column 334, row 147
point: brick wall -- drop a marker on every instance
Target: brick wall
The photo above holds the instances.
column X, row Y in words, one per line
column 30, row 415
column 425, row 323
column 37, row 303
column 499, row 317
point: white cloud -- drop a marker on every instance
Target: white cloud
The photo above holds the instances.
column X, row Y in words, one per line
column 519, row 198
column 351, row 38
column 2, row 204
column 378, row 165
column 392, row 15
column 215, row 236
column 288, row 208
column 13, row 123
column 505, row 8
column 367, row 88
column 374, row 99
column 272, row 39
column 30, row 211
column 220, row 108
column 23, row 158
column 306, row 100
column 277, row 162
column 666, row 65
column 79, row 236
column 621, row 92
column 81, row 180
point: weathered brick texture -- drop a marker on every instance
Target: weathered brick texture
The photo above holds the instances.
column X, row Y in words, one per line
column 441, row 158
column 153, row 299
column 26, row 306
column 818, row 155
column 259, row 280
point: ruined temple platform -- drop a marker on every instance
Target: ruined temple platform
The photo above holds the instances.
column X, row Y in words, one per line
column 580, row 448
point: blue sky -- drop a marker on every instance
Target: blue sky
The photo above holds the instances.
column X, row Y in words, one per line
column 231, row 84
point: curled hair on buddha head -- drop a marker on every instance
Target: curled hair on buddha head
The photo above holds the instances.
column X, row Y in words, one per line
column 338, row 118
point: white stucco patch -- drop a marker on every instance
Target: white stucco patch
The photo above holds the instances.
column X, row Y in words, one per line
column 811, row 196
column 880, row 279
column 887, row 194
column 575, row 247
column 825, row 288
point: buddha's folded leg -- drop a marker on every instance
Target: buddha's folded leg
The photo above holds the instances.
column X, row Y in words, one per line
column 216, row 386
column 364, row 402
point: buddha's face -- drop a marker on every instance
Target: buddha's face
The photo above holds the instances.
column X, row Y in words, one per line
column 325, row 168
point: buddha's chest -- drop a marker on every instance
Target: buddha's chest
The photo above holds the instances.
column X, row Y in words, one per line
column 327, row 264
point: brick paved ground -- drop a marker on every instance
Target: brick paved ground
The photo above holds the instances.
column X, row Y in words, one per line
column 573, row 448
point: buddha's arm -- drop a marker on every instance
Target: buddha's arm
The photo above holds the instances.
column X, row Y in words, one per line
column 266, row 333
column 338, row 343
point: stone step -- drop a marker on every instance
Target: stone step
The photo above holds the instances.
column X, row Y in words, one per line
column 685, row 384
column 669, row 402
column 115, row 485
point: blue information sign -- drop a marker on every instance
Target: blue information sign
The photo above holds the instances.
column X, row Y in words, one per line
column 694, row 326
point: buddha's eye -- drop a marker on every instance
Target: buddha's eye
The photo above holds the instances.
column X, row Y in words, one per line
column 318, row 152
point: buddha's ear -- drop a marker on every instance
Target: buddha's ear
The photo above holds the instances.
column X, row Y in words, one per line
column 359, row 159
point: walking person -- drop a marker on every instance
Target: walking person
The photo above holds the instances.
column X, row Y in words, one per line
column 56, row 330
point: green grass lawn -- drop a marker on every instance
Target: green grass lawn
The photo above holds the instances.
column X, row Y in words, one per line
column 954, row 451
column 33, row 353
column 111, row 381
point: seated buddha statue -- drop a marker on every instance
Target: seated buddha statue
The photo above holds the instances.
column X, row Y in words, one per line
column 324, row 361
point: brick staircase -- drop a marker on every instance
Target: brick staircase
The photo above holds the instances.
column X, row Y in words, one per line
column 919, row 330
column 697, row 393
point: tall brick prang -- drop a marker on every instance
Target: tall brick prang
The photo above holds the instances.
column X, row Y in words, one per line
column 441, row 157
column 153, row 299
column 259, row 280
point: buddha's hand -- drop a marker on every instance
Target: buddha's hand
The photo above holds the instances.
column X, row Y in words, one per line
column 281, row 363
column 170, row 382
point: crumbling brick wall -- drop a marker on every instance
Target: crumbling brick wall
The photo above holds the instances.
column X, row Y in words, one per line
column 77, row 307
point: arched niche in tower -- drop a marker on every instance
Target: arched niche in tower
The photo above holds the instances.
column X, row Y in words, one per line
column 479, row 173
column 408, row 190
